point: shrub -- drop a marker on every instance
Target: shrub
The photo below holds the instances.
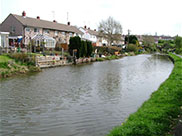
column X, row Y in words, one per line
column 179, row 51
column 4, row 65
column 23, row 58
column 131, row 48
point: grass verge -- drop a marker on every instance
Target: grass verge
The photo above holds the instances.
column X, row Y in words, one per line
column 4, row 58
column 13, row 64
column 108, row 58
column 155, row 116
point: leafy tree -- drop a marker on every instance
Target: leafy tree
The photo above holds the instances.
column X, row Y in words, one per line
column 178, row 42
column 132, row 39
column 89, row 48
column 75, row 43
column 111, row 30
column 85, row 49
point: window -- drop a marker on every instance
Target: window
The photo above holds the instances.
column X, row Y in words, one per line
column 71, row 34
column 50, row 43
column 13, row 29
column 46, row 31
column 56, row 33
column 63, row 33
column 27, row 29
column 36, row 30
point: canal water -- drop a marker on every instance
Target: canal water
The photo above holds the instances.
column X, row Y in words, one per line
column 82, row 100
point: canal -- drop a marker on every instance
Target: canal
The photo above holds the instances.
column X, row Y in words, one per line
column 82, row 100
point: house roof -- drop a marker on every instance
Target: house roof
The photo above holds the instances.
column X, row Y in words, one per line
column 42, row 37
column 92, row 32
column 33, row 22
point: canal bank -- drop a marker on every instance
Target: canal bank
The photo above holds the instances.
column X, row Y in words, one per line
column 10, row 67
column 16, row 64
column 156, row 116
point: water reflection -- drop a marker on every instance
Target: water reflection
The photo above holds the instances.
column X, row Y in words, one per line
column 79, row 100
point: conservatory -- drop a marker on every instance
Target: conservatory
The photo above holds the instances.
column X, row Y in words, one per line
column 44, row 40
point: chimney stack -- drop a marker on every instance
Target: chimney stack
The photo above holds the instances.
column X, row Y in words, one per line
column 68, row 23
column 85, row 27
column 88, row 28
column 38, row 17
column 54, row 21
column 24, row 14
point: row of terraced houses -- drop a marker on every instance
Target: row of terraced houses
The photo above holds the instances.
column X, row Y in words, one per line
column 28, row 28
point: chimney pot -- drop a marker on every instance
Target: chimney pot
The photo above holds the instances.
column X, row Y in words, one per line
column 54, row 21
column 94, row 29
column 38, row 17
column 88, row 28
column 23, row 13
column 68, row 23
column 85, row 27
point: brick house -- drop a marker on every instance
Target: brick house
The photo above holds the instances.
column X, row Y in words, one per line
column 91, row 35
column 28, row 27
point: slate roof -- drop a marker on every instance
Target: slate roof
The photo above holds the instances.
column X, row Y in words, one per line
column 34, row 22
column 92, row 32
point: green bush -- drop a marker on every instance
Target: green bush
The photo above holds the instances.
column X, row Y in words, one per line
column 179, row 51
column 4, row 65
column 23, row 58
column 131, row 48
column 154, row 117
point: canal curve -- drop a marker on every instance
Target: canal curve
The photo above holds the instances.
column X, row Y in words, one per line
column 81, row 100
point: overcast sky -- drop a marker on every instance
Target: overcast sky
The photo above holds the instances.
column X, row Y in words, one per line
column 140, row 16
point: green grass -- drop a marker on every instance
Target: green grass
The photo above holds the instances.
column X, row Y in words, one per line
column 108, row 58
column 156, row 115
column 12, row 64
column 4, row 58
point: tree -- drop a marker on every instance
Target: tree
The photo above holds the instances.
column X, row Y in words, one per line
column 89, row 48
column 178, row 42
column 110, row 29
column 75, row 43
column 83, row 49
column 132, row 39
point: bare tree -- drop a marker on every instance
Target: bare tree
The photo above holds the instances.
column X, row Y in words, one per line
column 111, row 30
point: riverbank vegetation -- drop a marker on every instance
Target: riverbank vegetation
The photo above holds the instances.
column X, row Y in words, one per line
column 155, row 116
column 108, row 58
column 178, row 44
column 16, row 63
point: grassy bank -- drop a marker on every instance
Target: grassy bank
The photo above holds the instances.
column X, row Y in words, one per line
column 155, row 116
column 108, row 58
column 14, row 64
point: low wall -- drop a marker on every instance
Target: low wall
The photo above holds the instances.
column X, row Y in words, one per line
column 50, row 61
